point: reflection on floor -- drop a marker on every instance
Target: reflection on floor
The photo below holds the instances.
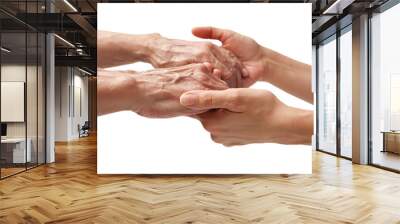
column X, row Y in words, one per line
column 11, row 169
column 386, row 159
column 70, row 191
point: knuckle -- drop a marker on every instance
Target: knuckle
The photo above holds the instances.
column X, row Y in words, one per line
column 206, row 100
column 235, row 99
column 221, row 85
column 202, row 68
column 163, row 64
column 235, row 96
column 269, row 96
column 202, row 77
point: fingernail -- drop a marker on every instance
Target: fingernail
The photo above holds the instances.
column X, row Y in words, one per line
column 188, row 99
column 245, row 73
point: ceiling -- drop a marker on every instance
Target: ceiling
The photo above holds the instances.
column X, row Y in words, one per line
column 76, row 22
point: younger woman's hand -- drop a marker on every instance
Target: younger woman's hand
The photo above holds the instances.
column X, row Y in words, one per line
column 244, row 116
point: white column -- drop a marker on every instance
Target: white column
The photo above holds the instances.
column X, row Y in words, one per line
column 360, row 90
column 50, row 99
column 50, row 92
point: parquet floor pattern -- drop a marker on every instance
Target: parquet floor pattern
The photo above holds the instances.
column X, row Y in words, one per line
column 70, row 191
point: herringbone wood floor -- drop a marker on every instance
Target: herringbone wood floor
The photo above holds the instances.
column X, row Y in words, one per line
column 69, row 191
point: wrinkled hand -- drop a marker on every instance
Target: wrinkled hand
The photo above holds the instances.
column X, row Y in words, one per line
column 161, row 89
column 246, row 49
column 249, row 116
column 170, row 53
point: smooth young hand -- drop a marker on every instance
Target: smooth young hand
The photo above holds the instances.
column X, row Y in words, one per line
column 264, row 64
column 249, row 52
column 245, row 116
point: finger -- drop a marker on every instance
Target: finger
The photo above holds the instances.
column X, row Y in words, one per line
column 212, row 33
column 247, row 82
column 222, row 63
column 245, row 73
column 229, row 99
column 217, row 73
column 239, row 82
column 232, row 66
column 208, row 66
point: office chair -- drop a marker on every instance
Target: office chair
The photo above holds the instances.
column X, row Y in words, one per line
column 84, row 130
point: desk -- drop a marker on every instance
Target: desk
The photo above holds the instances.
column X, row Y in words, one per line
column 13, row 150
column 391, row 141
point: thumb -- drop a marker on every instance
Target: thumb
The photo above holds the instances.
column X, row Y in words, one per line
column 208, row 32
column 212, row 99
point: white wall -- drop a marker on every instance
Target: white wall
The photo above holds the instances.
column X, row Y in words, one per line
column 16, row 73
column 69, row 82
column 62, row 81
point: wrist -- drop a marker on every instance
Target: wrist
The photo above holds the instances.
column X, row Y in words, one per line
column 299, row 125
column 152, row 44
column 128, row 92
column 116, row 91
column 268, row 64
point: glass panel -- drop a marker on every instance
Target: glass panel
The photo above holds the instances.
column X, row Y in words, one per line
column 31, row 88
column 386, row 89
column 346, row 94
column 22, row 88
column 41, row 98
column 327, row 96
column 31, row 98
column 13, row 86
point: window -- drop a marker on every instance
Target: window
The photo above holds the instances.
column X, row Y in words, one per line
column 385, row 89
column 327, row 96
column 346, row 75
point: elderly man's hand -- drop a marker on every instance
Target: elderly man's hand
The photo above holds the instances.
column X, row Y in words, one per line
column 166, row 53
column 162, row 88
column 155, row 93
column 245, row 116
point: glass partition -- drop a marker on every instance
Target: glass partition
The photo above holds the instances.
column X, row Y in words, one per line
column 32, row 86
column 346, row 93
column 31, row 99
column 14, row 153
column 327, row 95
column 41, row 91
column 22, row 77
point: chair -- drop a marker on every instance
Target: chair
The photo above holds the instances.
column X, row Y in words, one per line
column 84, row 130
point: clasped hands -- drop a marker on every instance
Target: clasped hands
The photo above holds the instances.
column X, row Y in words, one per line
column 204, row 81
